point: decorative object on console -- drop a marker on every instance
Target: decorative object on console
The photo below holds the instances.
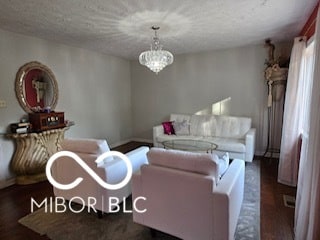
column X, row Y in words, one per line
column 156, row 59
column 46, row 121
column 276, row 78
column 69, row 123
column 21, row 127
column 36, row 87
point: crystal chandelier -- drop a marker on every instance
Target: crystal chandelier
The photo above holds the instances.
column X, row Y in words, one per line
column 156, row 58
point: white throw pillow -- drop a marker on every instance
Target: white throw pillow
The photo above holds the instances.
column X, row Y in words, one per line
column 223, row 164
column 181, row 128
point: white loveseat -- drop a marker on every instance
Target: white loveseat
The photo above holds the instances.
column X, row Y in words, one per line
column 231, row 134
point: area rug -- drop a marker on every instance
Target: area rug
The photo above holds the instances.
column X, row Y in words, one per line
column 119, row 226
column 249, row 220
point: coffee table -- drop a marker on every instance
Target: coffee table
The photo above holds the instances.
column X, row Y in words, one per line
column 190, row 145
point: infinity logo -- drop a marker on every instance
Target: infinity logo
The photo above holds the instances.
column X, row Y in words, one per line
column 88, row 170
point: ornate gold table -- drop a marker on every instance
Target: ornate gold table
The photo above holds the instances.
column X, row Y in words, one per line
column 33, row 150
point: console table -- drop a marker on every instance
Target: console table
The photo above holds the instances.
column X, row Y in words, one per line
column 33, row 150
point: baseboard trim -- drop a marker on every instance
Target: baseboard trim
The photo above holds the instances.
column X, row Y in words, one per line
column 259, row 153
column 142, row 140
column 268, row 154
column 7, row 182
column 271, row 155
column 117, row 144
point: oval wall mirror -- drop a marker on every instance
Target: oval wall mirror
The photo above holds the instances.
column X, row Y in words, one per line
column 36, row 87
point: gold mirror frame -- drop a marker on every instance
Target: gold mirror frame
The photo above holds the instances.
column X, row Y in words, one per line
column 22, row 90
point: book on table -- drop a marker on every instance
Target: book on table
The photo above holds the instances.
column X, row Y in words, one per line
column 21, row 127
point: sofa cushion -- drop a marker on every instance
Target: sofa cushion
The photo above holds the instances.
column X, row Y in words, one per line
column 180, row 117
column 232, row 127
column 202, row 163
column 229, row 144
column 203, row 125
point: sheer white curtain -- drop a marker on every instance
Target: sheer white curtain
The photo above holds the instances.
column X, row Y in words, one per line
column 307, row 221
column 292, row 121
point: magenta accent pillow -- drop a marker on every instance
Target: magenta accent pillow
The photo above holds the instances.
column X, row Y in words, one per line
column 168, row 128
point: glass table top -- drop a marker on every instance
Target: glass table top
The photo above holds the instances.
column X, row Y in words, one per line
column 190, row 145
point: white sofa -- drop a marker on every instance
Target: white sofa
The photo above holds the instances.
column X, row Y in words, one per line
column 66, row 170
column 186, row 197
column 232, row 134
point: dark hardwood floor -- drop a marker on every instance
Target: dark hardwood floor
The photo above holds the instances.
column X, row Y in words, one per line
column 276, row 219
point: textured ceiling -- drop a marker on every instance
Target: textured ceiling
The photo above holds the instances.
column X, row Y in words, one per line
column 122, row 27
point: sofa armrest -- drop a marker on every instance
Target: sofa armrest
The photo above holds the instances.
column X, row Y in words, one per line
column 138, row 157
column 116, row 170
column 157, row 130
column 227, row 199
column 250, row 144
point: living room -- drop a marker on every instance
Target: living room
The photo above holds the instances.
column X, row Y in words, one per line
column 114, row 97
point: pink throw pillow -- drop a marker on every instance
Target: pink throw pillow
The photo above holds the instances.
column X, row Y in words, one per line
column 168, row 128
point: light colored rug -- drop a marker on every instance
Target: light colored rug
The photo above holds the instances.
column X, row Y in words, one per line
column 119, row 226
column 249, row 220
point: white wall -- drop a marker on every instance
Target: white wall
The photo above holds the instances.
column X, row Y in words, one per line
column 94, row 90
column 195, row 81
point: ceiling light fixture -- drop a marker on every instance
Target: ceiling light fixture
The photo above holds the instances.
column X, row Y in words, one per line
column 156, row 59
